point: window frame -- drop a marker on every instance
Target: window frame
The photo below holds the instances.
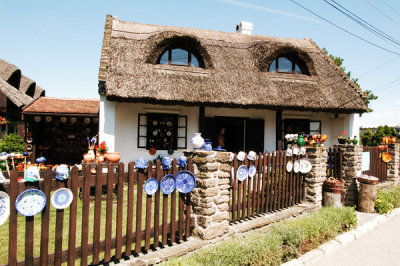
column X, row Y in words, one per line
column 294, row 62
column 190, row 53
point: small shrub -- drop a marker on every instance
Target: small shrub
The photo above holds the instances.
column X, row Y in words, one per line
column 12, row 143
column 386, row 200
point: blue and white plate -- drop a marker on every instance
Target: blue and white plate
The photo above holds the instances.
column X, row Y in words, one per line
column 4, row 207
column 167, row 184
column 62, row 198
column 185, row 181
column 30, row 202
column 32, row 174
column 242, row 173
column 252, row 171
column 296, row 166
column 151, row 186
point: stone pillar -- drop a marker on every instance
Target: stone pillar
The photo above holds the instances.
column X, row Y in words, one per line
column 393, row 165
column 351, row 168
column 210, row 198
column 316, row 177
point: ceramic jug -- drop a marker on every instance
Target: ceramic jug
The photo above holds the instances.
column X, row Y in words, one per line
column 197, row 141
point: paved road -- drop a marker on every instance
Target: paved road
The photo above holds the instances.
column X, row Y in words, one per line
column 381, row 246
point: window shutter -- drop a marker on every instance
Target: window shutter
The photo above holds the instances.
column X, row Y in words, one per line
column 142, row 131
column 182, row 132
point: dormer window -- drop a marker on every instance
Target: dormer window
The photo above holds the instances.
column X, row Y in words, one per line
column 180, row 57
column 285, row 65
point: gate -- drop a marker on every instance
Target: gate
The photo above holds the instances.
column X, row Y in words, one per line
column 334, row 168
column 272, row 188
column 377, row 167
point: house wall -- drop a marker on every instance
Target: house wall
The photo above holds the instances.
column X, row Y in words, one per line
column 119, row 125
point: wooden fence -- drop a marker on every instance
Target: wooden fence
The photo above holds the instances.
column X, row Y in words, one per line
column 334, row 167
column 105, row 220
column 272, row 188
column 377, row 167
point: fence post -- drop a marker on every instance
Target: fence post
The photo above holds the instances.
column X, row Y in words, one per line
column 210, row 198
column 351, row 168
column 393, row 165
column 316, row 177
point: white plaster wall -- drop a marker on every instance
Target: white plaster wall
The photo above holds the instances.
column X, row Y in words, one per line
column 126, row 123
column 107, row 123
column 268, row 116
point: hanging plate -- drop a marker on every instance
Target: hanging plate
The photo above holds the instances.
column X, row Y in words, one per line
column 30, row 202
column 252, row 171
column 167, row 184
column 4, row 207
column 151, row 186
column 296, row 166
column 242, row 173
column 62, row 198
column 185, row 181
column 289, row 166
column 305, row 165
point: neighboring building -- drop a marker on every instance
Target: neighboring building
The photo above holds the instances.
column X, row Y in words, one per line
column 160, row 84
column 365, row 129
column 58, row 128
column 16, row 91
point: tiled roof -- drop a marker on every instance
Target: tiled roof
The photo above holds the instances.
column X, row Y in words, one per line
column 63, row 106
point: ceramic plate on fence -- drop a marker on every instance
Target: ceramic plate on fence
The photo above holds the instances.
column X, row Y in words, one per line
column 289, row 166
column 242, row 173
column 151, row 186
column 167, row 184
column 305, row 165
column 4, row 207
column 296, row 166
column 30, row 202
column 62, row 198
column 185, row 181
column 252, row 170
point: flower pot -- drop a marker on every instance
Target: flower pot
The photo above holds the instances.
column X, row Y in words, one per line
column 113, row 157
column 342, row 140
column 88, row 158
column 333, row 185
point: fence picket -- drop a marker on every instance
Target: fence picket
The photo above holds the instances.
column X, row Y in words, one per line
column 157, row 206
column 188, row 204
column 97, row 214
column 120, row 205
column 44, row 235
column 139, row 199
column 72, row 217
column 59, row 231
column 129, row 208
column 85, row 215
column 148, row 212
column 109, row 207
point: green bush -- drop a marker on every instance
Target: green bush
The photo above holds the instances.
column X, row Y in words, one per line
column 284, row 241
column 386, row 200
column 12, row 143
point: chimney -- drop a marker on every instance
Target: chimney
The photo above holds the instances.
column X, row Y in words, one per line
column 244, row 27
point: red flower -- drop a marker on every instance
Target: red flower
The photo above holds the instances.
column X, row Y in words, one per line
column 344, row 132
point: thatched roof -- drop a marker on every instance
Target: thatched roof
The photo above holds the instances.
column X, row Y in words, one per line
column 14, row 95
column 65, row 106
column 12, row 75
column 234, row 74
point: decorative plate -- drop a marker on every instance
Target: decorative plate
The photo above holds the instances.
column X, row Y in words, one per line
column 169, row 123
column 289, row 166
column 305, row 165
column 2, row 178
column 296, row 166
column 63, row 119
column 185, row 181
column 167, row 184
column 169, row 133
column 151, row 186
column 152, row 151
column 155, row 123
column 30, row 202
column 62, row 198
column 252, row 170
column 4, row 207
column 296, row 150
column 242, row 173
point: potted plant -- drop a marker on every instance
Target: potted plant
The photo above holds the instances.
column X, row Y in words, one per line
column 342, row 138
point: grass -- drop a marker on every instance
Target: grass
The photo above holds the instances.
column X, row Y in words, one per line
column 282, row 242
column 387, row 199
column 37, row 226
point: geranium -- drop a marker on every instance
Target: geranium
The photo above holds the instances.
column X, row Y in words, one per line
column 102, row 147
column 344, row 133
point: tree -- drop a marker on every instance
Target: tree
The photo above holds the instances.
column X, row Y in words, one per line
column 339, row 61
column 12, row 143
column 370, row 139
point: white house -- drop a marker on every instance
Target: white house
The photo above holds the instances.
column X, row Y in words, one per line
column 159, row 85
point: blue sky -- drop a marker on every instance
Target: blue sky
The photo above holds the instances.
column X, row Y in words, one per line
column 58, row 43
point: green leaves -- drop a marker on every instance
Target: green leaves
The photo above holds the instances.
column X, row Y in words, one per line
column 12, row 143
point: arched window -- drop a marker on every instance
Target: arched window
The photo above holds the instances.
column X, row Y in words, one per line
column 285, row 65
column 179, row 56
